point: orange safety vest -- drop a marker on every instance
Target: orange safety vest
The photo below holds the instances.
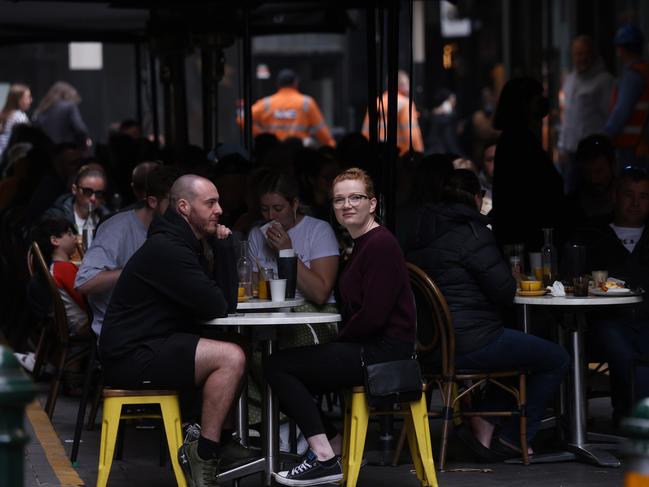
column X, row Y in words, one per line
column 633, row 133
column 289, row 113
column 403, row 124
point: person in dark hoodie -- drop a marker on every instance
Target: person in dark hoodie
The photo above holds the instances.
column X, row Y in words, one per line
column 148, row 339
column 454, row 246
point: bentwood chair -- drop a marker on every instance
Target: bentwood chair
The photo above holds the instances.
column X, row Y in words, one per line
column 56, row 343
column 436, row 350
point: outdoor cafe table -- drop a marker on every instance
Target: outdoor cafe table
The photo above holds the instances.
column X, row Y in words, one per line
column 265, row 326
column 266, row 304
column 577, row 306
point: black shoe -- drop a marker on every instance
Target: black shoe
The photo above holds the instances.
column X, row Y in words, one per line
column 234, row 454
column 198, row 472
column 481, row 452
column 310, row 472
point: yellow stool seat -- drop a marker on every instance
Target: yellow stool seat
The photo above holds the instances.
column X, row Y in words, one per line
column 114, row 399
column 357, row 416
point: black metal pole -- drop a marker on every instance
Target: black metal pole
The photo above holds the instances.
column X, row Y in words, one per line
column 207, row 60
column 390, row 159
column 138, row 82
column 247, row 81
column 371, row 81
column 153, row 79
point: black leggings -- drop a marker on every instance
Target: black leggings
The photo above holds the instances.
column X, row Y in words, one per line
column 296, row 374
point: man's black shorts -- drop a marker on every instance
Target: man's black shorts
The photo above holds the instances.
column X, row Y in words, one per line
column 162, row 363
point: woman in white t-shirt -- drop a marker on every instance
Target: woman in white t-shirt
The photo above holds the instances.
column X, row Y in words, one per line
column 19, row 99
column 313, row 240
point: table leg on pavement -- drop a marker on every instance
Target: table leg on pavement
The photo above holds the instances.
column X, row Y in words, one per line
column 593, row 453
column 267, row 463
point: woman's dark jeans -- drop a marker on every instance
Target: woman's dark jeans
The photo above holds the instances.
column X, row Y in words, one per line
column 546, row 364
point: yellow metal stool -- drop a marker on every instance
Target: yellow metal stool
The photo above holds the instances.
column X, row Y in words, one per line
column 114, row 399
column 357, row 416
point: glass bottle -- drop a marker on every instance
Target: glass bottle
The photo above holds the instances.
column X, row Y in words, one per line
column 548, row 258
column 244, row 270
column 88, row 230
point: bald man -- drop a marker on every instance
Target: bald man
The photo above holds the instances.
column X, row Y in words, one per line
column 149, row 339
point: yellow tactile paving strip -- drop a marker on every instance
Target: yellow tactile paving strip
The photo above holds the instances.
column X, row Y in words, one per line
column 52, row 447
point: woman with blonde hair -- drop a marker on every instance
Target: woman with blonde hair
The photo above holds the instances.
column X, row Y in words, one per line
column 59, row 116
column 19, row 99
column 379, row 323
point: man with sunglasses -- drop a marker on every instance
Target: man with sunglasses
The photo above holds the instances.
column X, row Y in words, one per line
column 86, row 200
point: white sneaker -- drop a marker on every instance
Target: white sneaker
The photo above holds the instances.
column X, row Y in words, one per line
column 27, row 360
column 310, row 472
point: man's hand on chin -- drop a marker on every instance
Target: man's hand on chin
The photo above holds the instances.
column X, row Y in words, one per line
column 222, row 232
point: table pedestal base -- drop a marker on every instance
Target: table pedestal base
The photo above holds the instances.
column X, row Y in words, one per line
column 594, row 453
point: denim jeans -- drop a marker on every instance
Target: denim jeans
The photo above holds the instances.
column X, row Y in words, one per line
column 546, row 363
column 622, row 339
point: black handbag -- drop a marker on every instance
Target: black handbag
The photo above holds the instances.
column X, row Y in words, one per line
column 388, row 383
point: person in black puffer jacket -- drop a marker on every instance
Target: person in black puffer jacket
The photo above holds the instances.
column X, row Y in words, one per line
column 454, row 246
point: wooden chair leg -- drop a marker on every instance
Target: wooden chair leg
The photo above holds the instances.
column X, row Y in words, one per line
column 40, row 354
column 55, row 386
column 92, row 417
column 447, row 422
column 81, row 413
column 523, row 418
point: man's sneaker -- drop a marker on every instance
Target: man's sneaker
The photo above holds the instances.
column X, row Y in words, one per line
column 311, row 472
column 198, row 472
column 234, row 453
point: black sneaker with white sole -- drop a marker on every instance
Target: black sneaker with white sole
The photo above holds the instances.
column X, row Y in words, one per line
column 311, row 472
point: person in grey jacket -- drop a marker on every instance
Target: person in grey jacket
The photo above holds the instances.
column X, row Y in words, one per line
column 59, row 117
column 454, row 246
column 587, row 93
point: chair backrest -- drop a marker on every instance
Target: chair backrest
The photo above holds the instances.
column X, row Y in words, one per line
column 439, row 335
column 61, row 328
column 31, row 258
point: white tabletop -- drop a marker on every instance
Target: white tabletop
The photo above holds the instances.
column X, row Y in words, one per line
column 269, row 319
column 549, row 300
column 268, row 304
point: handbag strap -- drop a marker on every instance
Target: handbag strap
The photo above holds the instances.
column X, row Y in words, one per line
column 413, row 356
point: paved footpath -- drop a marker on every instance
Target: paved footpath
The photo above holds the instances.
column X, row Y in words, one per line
column 47, row 461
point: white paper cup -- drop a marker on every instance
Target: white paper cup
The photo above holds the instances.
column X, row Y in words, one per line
column 278, row 289
column 599, row 277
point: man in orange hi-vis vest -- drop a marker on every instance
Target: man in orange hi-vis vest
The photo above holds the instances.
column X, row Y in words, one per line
column 289, row 113
column 404, row 121
column 627, row 123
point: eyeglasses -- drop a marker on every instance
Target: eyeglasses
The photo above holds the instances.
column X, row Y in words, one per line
column 354, row 200
column 88, row 192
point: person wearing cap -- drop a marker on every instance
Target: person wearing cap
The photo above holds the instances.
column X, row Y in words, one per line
column 627, row 121
column 289, row 113
column 586, row 95
column 407, row 120
column 591, row 204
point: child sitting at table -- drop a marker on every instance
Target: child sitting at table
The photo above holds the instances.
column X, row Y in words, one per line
column 57, row 242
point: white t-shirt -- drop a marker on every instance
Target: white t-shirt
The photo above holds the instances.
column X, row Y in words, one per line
column 312, row 239
column 629, row 236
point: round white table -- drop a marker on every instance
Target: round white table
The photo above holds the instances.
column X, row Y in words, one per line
column 577, row 306
column 265, row 324
column 260, row 304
